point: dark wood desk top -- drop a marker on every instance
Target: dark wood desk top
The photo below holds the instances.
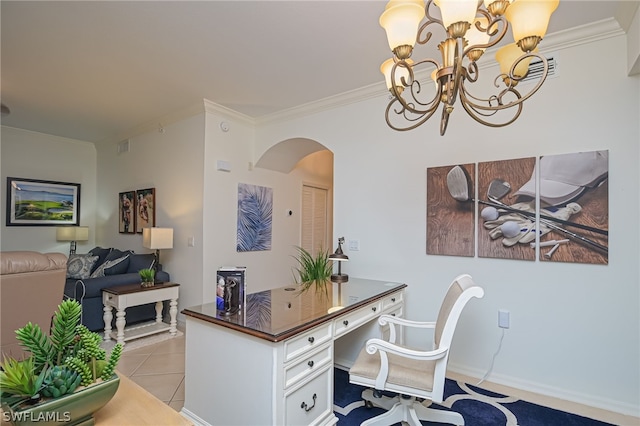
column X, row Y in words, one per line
column 136, row 288
column 283, row 312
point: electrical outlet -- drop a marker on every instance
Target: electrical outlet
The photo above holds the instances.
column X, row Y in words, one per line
column 504, row 319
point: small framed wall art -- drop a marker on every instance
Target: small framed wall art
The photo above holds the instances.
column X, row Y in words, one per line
column 127, row 212
column 145, row 209
column 32, row 202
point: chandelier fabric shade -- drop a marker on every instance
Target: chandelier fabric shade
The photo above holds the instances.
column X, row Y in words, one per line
column 470, row 28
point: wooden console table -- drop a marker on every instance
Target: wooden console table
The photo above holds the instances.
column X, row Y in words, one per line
column 124, row 296
column 272, row 363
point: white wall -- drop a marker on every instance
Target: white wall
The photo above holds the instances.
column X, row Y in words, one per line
column 32, row 155
column 172, row 163
column 575, row 328
column 265, row 269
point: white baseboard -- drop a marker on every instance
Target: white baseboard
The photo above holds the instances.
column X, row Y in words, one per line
column 600, row 402
column 197, row 421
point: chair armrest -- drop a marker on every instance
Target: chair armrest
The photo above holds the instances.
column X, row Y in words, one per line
column 391, row 321
column 384, row 347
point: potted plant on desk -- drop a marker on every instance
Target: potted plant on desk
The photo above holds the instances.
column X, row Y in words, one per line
column 66, row 378
column 313, row 271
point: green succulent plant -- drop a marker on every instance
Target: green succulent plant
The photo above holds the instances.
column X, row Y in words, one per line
column 313, row 271
column 68, row 356
column 147, row 275
column 60, row 380
column 18, row 380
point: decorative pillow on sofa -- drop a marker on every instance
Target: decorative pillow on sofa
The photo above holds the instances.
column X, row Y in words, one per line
column 79, row 266
column 140, row 261
column 102, row 256
column 112, row 267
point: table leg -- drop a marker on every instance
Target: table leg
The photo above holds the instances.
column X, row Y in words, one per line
column 120, row 323
column 107, row 317
column 159, row 307
column 173, row 312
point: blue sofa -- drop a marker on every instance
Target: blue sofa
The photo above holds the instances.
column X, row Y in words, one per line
column 88, row 274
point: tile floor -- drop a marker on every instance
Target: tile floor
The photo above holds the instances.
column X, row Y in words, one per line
column 158, row 368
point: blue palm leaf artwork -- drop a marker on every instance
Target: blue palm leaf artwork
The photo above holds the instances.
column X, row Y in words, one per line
column 255, row 211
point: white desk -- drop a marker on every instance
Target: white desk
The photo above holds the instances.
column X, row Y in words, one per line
column 272, row 364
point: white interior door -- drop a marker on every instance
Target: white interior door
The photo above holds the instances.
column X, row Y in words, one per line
column 314, row 218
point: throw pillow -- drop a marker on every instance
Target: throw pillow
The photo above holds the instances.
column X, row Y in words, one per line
column 140, row 261
column 102, row 255
column 79, row 266
column 101, row 270
column 117, row 266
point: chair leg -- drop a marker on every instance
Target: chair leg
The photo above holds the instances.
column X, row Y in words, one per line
column 384, row 402
column 407, row 410
column 437, row 416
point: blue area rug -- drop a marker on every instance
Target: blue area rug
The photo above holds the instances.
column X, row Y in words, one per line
column 478, row 406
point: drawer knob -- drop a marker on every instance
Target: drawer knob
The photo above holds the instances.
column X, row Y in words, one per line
column 345, row 322
column 310, row 364
column 393, row 299
column 374, row 309
column 311, row 339
column 306, row 407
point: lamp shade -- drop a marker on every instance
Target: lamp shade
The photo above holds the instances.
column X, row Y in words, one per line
column 157, row 238
column 457, row 11
column 530, row 17
column 72, row 233
column 507, row 55
column 400, row 20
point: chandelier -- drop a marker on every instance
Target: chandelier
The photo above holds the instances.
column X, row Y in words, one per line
column 470, row 29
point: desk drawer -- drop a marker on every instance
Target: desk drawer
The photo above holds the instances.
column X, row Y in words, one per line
column 307, row 341
column 355, row 319
column 310, row 403
column 307, row 366
column 391, row 301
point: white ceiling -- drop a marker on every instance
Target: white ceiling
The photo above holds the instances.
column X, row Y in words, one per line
column 91, row 70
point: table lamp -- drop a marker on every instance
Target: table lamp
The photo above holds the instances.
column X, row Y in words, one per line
column 73, row 234
column 157, row 239
column 339, row 257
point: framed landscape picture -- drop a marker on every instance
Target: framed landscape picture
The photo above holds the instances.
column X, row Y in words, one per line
column 32, row 202
column 127, row 212
column 145, row 209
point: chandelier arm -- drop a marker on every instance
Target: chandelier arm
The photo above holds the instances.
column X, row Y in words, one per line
column 417, row 122
column 476, row 115
column 413, row 104
column 497, row 25
column 487, row 105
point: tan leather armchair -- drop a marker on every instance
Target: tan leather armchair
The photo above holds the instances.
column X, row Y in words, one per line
column 31, row 288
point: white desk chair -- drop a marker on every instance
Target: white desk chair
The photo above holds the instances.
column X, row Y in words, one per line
column 386, row 366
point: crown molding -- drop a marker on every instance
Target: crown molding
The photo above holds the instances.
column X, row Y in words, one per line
column 583, row 34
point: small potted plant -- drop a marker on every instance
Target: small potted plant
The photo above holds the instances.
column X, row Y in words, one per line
column 147, row 277
column 313, row 271
column 66, row 377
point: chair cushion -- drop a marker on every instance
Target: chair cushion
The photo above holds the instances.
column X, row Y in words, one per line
column 404, row 372
column 79, row 266
column 140, row 261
